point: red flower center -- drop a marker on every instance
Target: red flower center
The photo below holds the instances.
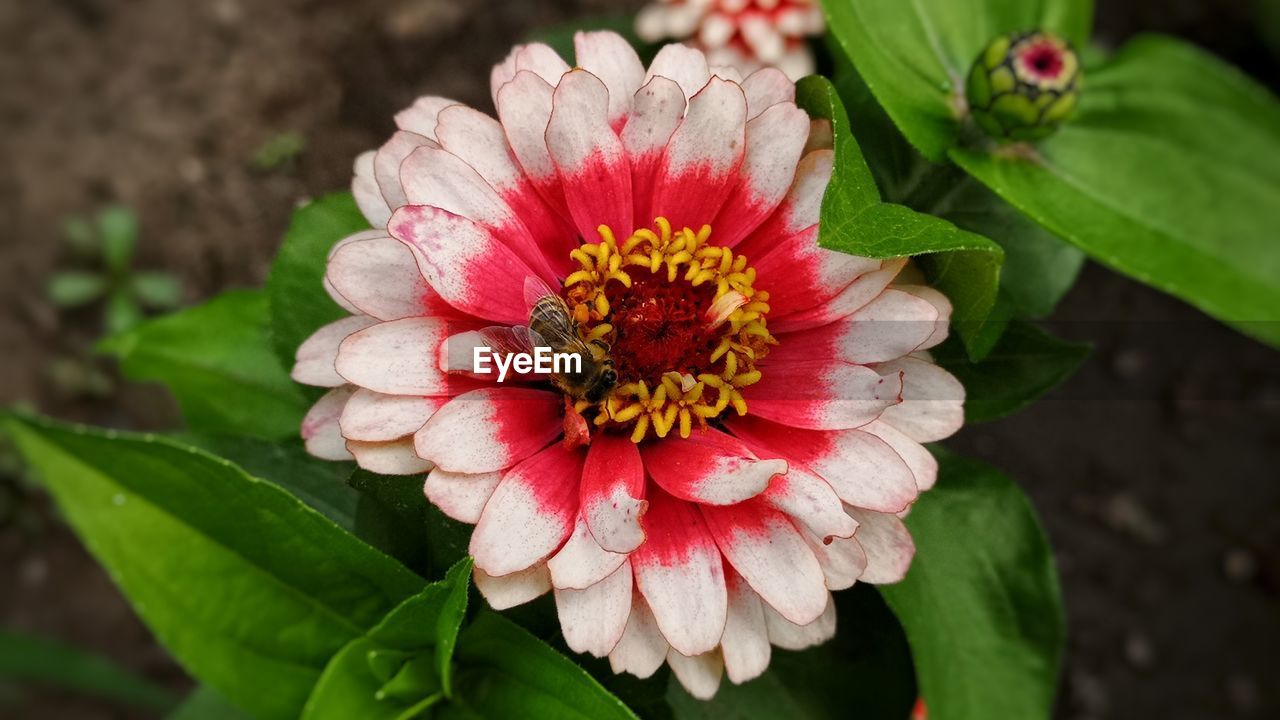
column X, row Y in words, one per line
column 681, row 321
column 660, row 327
column 1043, row 61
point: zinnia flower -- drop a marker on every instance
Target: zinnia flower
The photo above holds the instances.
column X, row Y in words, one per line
column 763, row 432
column 742, row 34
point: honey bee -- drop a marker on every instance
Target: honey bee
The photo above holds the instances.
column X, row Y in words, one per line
column 551, row 325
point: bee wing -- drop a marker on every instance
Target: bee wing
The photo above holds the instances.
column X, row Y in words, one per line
column 535, row 289
column 551, row 316
column 510, row 340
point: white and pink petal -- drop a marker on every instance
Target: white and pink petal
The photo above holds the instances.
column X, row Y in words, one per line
column 790, row 636
column 894, row 324
column 421, row 117
column 861, row 468
column 810, row 501
column 685, row 65
column 387, row 161
column 508, row 591
column 801, row 207
column 530, row 513
column 773, row 144
column 941, row 304
column 465, row 263
column 611, row 58
column 766, row 549
column 396, row 357
column 679, row 572
column 765, row 88
column 658, row 108
column 854, row 296
column 491, row 429
column 438, row 178
column 524, row 109
column 588, row 155
column 536, row 58
column 932, row 406
column 333, row 293
column 594, row 618
column 832, row 395
column 745, row 644
column 887, row 544
column 710, row 467
column 395, row 457
column 699, row 167
column 807, row 278
column 581, row 562
column 482, row 143
column 461, row 496
column 368, row 196
column 924, row 466
column 379, row 277
column 613, row 490
column 642, row 648
column 316, row 358
column 320, row 430
column 842, row 559
column 699, row 674
column 374, row 417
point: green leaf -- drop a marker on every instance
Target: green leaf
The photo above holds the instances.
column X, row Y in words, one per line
column 347, row 689
column 646, row 697
column 299, row 303
column 981, row 605
column 504, row 672
column 447, row 539
column 118, row 229
column 158, row 290
column 205, row 703
column 217, row 362
column 122, row 312
column 36, row 659
column 392, row 515
column 1039, row 268
column 73, row 288
column 864, row 672
column 915, row 54
column 424, row 626
column 433, row 618
column 250, row 589
column 1170, row 174
column 1027, row 363
column 322, row 484
column 963, row 265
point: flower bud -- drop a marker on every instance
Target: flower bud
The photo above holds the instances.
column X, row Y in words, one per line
column 1024, row 85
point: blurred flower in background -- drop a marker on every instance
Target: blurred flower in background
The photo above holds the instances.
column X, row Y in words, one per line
column 743, row 34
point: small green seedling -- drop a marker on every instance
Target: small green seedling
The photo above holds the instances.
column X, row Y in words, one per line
column 109, row 242
column 279, row 152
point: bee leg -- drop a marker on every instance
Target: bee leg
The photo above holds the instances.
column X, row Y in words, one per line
column 599, row 350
